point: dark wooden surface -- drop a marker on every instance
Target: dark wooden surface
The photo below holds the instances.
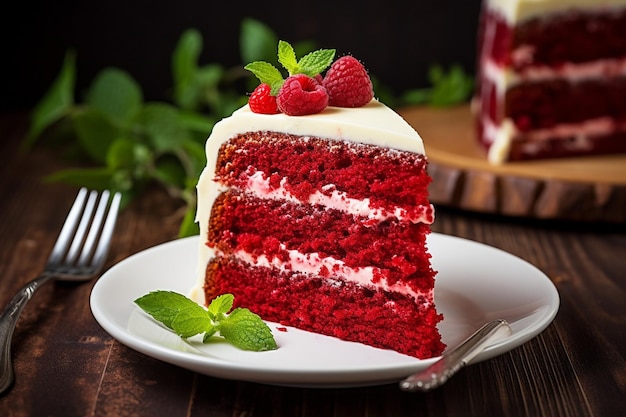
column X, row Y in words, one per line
column 68, row 366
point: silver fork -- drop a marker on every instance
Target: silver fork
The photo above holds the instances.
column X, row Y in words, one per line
column 78, row 254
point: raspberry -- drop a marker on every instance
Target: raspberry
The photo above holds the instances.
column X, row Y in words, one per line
column 300, row 95
column 348, row 84
column 261, row 101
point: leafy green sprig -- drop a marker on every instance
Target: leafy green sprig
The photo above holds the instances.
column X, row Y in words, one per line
column 241, row 327
column 128, row 142
column 447, row 88
column 311, row 64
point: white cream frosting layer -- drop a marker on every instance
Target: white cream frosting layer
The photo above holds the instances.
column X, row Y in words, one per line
column 519, row 10
column 374, row 124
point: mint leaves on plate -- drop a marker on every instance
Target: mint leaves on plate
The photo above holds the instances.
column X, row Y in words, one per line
column 241, row 327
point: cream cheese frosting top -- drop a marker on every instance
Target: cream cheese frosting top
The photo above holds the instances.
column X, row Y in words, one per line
column 518, row 10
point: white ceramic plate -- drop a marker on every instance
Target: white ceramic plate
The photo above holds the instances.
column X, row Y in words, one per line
column 476, row 283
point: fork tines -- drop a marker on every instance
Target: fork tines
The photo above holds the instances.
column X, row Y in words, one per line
column 86, row 234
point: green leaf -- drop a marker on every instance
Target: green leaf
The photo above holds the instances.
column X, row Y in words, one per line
column 169, row 170
column 257, row 42
column 316, row 62
column 189, row 226
column 209, row 334
column 265, row 72
column 287, row 57
column 450, row 87
column 161, row 124
column 191, row 320
column 195, row 159
column 95, row 132
column 185, row 64
column 247, row 331
column 304, row 47
column 126, row 153
column 221, row 304
column 417, row 96
column 241, row 327
column 56, row 103
column 197, row 122
column 96, row 178
column 116, row 94
column 175, row 311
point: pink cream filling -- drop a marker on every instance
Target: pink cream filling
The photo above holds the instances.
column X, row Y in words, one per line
column 313, row 264
column 260, row 187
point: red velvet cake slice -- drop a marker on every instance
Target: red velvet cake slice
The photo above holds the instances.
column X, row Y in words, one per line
column 551, row 78
column 319, row 222
column 316, row 216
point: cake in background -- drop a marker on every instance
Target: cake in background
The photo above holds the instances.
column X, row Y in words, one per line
column 313, row 209
column 551, row 78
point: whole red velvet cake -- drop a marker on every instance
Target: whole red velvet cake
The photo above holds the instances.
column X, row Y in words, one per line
column 551, row 78
column 319, row 221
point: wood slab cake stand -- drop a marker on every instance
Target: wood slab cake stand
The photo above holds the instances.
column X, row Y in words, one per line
column 585, row 189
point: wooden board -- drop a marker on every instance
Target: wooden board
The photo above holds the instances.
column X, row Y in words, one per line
column 589, row 188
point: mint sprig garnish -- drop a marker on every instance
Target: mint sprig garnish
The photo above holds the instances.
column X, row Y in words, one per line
column 311, row 64
column 241, row 327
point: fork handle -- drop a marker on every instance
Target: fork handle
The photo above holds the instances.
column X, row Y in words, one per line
column 8, row 320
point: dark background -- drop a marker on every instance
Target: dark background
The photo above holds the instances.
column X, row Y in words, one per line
column 397, row 40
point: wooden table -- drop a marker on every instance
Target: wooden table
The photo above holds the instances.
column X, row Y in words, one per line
column 68, row 366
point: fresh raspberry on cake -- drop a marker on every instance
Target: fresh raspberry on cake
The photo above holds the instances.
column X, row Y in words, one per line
column 261, row 101
column 348, row 84
column 300, row 95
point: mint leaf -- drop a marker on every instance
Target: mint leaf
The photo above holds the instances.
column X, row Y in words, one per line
column 451, row 87
column 116, row 94
column 265, row 72
column 221, row 305
column 56, row 103
column 185, row 65
column 162, row 125
column 167, row 306
column 126, row 153
column 311, row 64
column 246, row 330
column 317, row 61
column 97, row 178
column 287, row 57
column 169, row 170
column 95, row 132
column 241, row 327
column 188, row 227
column 257, row 41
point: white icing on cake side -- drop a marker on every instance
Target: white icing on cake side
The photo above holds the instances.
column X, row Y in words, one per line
column 518, row 10
column 374, row 124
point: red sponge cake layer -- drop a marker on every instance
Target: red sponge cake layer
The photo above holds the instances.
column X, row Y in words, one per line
column 303, row 166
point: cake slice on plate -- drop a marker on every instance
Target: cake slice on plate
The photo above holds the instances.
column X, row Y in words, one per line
column 319, row 221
